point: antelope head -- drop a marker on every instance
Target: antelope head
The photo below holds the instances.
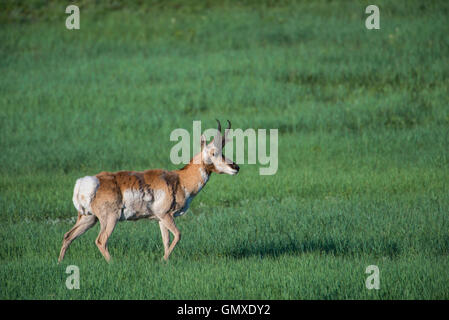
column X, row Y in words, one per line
column 212, row 156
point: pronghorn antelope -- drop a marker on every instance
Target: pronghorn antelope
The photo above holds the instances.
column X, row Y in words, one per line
column 153, row 194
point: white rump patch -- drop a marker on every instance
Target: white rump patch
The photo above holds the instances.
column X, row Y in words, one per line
column 84, row 193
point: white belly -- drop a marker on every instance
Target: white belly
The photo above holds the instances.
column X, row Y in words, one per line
column 137, row 204
column 132, row 203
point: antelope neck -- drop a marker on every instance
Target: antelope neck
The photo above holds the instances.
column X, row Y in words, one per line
column 193, row 177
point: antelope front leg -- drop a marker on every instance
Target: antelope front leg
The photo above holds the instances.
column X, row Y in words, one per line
column 165, row 238
column 168, row 222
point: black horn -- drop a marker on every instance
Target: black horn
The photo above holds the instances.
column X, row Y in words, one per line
column 219, row 126
column 223, row 138
column 218, row 136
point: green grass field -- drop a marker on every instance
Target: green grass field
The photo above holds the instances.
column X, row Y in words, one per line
column 363, row 118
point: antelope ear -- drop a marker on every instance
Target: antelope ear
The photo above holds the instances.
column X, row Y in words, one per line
column 203, row 142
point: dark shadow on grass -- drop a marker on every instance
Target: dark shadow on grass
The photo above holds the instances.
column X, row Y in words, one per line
column 390, row 249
